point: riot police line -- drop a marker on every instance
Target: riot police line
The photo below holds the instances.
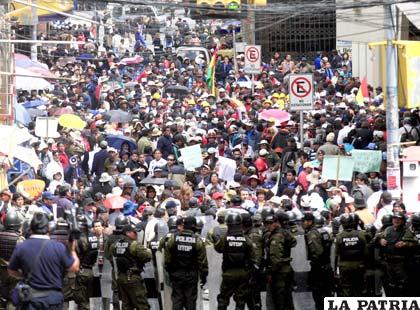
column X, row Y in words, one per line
column 236, row 258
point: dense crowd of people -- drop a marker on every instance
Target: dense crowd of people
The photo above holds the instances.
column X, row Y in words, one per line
column 124, row 171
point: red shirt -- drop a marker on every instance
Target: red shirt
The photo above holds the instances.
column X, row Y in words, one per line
column 64, row 159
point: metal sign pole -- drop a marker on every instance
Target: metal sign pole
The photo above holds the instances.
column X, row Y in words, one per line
column 301, row 129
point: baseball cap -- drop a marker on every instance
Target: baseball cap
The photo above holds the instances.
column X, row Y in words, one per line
column 217, row 195
column 47, row 195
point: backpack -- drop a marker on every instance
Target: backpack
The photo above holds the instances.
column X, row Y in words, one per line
column 407, row 135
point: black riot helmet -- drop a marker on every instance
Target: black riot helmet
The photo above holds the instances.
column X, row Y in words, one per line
column 82, row 222
column 246, row 220
column 233, row 219
column 346, row 221
column 319, row 221
column 415, row 220
column 120, row 222
column 282, row 217
column 199, row 226
column 336, row 222
column 257, row 220
column 12, row 221
column 356, row 220
column 265, row 212
column 173, row 222
column 386, row 221
column 190, row 222
column 400, row 215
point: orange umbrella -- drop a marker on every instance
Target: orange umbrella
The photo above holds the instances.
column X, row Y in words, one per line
column 115, row 202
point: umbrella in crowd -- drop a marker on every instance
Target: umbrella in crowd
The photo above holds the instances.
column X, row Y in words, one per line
column 275, row 114
column 71, row 121
column 115, row 202
column 22, row 115
column 21, row 57
column 25, row 80
column 62, row 111
column 132, row 60
column 117, row 141
column 118, row 116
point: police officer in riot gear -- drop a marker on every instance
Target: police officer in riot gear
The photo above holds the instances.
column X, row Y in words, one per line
column 397, row 241
column 239, row 258
column 130, row 257
column 414, row 265
column 255, row 235
column 351, row 251
column 386, row 221
column 61, row 233
column 219, row 231
column 185, row 262
column 120, row 222
column 8, row 240
column 87, row 248
column 318, row 249
column 277, row 254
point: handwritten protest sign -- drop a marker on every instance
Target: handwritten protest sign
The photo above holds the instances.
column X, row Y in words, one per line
column 366, row 161
column 32, row 188
column 338, row 167
column 191, row 157
column 227, row 168
column 46, row 127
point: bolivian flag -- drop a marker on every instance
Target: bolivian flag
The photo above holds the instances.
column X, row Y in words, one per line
column 362, row 93
column 211, row 70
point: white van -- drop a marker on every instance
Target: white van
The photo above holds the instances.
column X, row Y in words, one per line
column 120, row 13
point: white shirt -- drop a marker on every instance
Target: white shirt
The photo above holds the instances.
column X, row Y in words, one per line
column 373, row 200
column 343, row 133
column 156, row 163
column 385, row 210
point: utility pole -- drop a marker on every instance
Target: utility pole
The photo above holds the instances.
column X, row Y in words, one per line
column 248, row 24
column 6, row 65
column 392, row 117
column 34, row 25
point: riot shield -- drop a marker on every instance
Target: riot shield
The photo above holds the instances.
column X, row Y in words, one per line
column 150, row 273
column 209, row 223
column 199, row 304
column 301, row 266
column 214, row 278
column 165, row 288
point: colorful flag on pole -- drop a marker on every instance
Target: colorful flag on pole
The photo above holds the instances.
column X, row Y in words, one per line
column 211, row 70
column 363, row 92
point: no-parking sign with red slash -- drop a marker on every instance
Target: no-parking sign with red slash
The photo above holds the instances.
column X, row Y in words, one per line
column 252, row 59
column 301, row 92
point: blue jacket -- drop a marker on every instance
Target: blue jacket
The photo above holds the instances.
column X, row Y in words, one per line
column 164, row 145
column 98, row 162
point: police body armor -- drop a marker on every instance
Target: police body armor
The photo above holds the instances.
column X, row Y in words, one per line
column 91, row 255
column 234, row 253
column 352, row 246
column 326, row 244
column 219, row 232
column 8, row 241
column 124, row 260
column 288, row 237
column 416, row 234
column 392, row 236
column 185, row 251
